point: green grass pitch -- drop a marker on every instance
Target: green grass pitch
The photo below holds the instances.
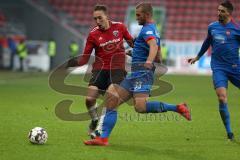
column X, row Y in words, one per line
column 26, row 101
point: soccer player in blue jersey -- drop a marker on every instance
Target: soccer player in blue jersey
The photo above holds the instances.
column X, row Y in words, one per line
column 138, row 84
column 224, row 38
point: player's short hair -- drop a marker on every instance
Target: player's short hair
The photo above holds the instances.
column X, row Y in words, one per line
column 100, row 7
column 146, row 7
column 227, row 4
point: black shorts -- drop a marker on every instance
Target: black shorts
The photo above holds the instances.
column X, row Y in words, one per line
column 103, row 78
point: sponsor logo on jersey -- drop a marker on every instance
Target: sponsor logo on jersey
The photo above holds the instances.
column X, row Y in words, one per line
column 219, row 37
column 149, row 32
column 110, row 42
column 115, row 33
column 228, row 32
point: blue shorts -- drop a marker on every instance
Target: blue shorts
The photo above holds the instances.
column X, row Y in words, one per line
column 139, row 81
column 221, row 77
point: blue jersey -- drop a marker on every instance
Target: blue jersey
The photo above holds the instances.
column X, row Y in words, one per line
column 225, row 42
column 141, row 48
column 141, row 79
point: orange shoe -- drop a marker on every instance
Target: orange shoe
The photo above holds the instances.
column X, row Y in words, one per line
column 97, row 142
column 184, row 111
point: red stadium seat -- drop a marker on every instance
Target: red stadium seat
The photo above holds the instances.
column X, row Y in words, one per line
column 2, row 19
column 185, row 19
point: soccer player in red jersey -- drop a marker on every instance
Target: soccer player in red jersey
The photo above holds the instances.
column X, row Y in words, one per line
column 138, row 83
column 109, row 66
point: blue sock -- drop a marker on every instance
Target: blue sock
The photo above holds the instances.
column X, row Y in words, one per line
column 109, row 122
column 223, row 109
column 157, row 107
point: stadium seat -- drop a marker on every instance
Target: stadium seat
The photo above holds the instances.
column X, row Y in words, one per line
column 2, row 19
column 181, row 15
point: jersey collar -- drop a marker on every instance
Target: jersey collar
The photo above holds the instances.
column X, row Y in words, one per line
column 150, row 22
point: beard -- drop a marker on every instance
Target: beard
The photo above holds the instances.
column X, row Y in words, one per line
column 221, row 19
column 141, row 22
column 100, row 26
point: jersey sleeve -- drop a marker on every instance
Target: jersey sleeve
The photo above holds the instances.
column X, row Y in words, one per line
column 90, row 45
column 206, row 44
column 148, row 34
column 238, row 34
column 126, row 35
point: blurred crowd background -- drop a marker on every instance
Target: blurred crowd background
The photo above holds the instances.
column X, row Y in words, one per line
column 38, row 35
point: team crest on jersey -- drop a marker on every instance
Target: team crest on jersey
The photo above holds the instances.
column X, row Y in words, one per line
column 115, row 33
column 228, row 32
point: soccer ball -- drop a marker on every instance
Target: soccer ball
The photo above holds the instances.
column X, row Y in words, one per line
column 38, row 135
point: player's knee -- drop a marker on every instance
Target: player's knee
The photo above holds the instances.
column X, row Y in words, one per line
column 111, row 92
column 111, row 88
column 111, row 101
column 140, row 107
column 222, row 98
column 90, row 101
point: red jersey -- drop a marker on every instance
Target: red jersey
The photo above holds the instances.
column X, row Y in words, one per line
column 108, row 45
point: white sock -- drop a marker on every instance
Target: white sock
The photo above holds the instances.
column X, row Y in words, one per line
column 93, row 112
column 100, row 122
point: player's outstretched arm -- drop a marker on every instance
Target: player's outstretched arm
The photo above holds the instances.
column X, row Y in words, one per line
column 90, row 45
column 193, row 60
column 206, row 44
column 127, row 36
column 73, row 62
column 130, row 42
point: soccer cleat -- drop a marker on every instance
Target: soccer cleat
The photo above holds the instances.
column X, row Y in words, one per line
column 97, row 142
column 184, row 111
column 230, row 136
column 92, row 127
